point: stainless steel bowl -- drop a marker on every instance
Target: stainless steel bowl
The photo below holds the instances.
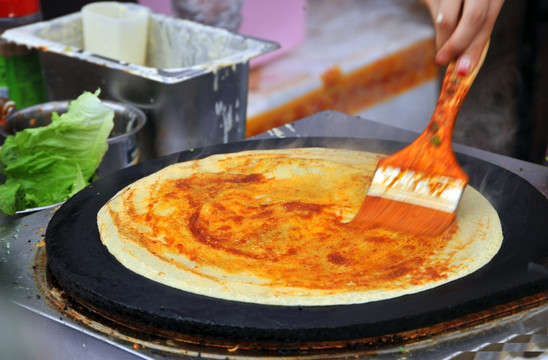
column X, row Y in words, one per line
column 123, row 143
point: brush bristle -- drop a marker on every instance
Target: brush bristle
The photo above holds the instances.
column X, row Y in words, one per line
column 427, row 190
column 403, row 217
column 410, row 201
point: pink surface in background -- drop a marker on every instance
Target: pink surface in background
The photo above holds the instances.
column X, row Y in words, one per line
column 283, row 21
column 158, row 6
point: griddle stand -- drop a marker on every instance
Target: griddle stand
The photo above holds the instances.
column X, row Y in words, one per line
column 48, row 334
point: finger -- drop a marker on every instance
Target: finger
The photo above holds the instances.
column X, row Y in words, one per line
column 471, row 35
column 470, row 24
column 432, row 6
column 469, row 59
column 466, row 57
column 473, row 53
column 446, row 20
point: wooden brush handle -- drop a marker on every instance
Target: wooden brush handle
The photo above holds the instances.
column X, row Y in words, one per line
column 454, row 89
column 432, row 151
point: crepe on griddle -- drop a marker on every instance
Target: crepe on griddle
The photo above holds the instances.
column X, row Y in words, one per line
column 272, row 227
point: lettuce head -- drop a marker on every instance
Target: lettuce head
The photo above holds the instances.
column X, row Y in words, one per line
column 49, row 164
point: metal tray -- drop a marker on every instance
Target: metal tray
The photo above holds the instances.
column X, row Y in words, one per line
column 193, row 88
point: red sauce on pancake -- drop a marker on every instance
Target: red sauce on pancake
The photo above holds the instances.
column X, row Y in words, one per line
column 279, row 231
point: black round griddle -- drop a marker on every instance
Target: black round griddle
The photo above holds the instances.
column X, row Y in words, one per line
column 85, row 269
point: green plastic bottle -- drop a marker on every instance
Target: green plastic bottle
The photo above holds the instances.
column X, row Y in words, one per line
column 21, row 77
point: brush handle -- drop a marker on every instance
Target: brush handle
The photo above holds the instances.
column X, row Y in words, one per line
column 432, row 151
column 455, row 87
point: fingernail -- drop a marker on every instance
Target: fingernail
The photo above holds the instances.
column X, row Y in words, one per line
column 439, row 18
column 463, row 65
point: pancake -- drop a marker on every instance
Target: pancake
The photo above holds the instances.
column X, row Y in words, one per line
column 272, row 227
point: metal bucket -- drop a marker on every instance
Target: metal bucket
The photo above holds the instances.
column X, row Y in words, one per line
column 123, row 142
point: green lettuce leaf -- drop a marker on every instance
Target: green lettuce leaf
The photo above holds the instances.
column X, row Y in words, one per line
column 47, row 165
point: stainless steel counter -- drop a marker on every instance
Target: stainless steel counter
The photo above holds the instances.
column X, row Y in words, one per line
column 32, row 329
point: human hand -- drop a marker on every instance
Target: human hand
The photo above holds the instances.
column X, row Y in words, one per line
column 463, row 27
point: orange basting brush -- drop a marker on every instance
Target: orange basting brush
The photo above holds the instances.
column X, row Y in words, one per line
column 417, row 190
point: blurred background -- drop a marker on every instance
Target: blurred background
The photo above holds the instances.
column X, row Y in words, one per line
column 505, row 112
